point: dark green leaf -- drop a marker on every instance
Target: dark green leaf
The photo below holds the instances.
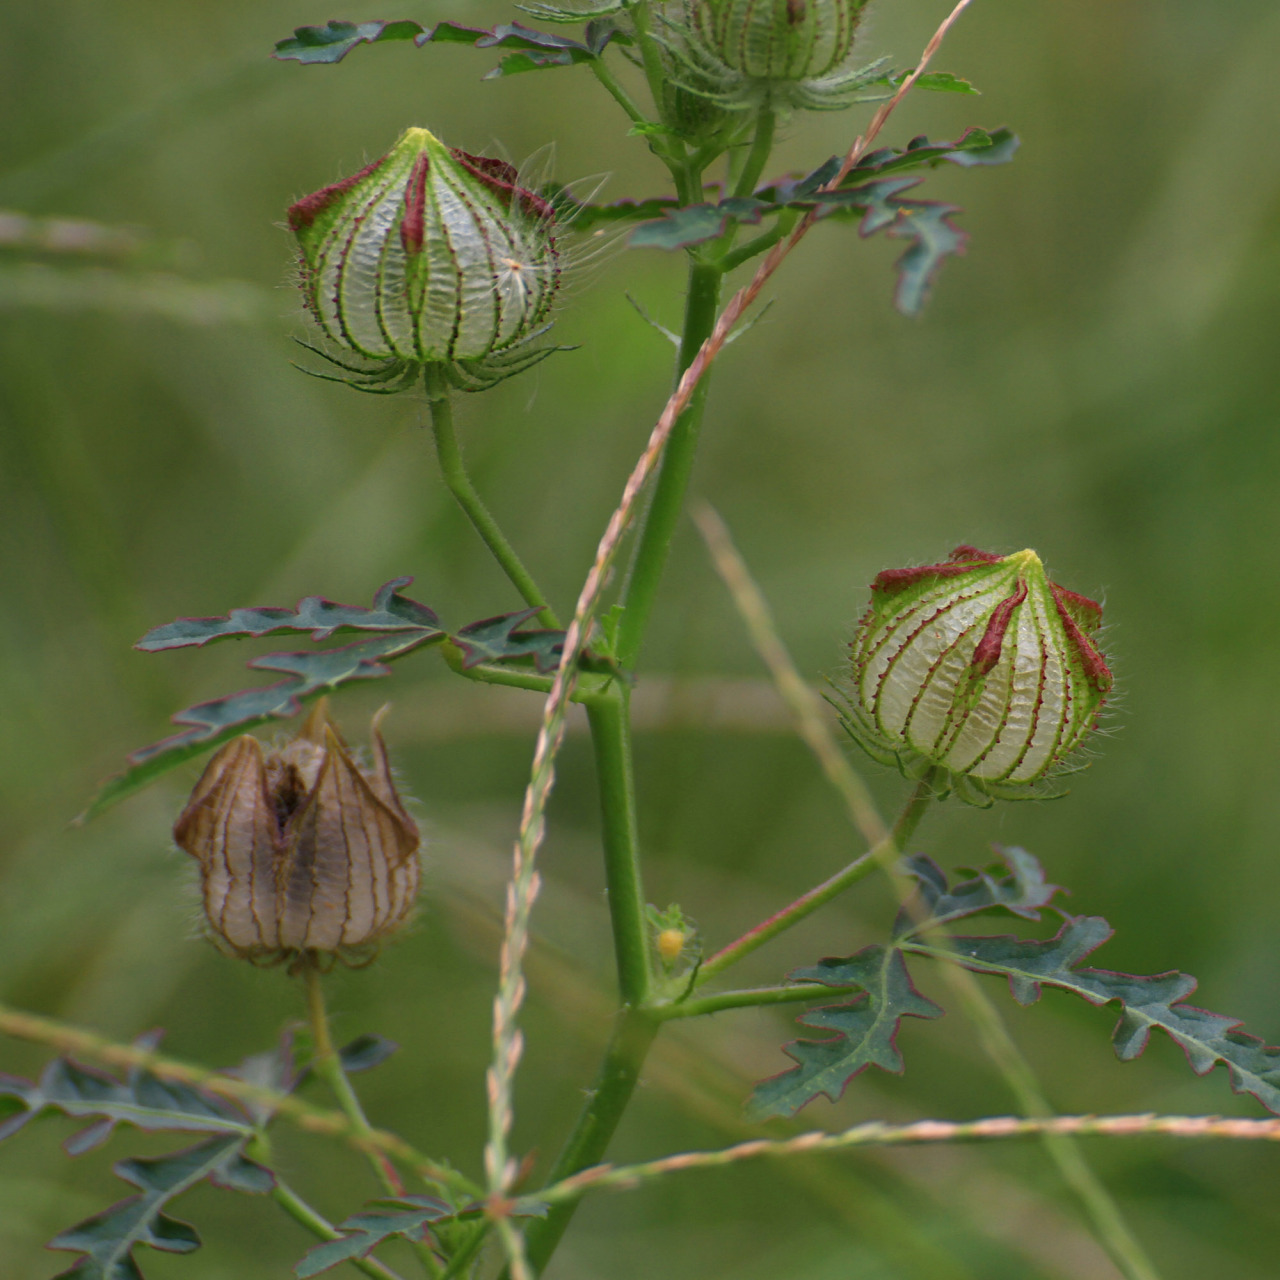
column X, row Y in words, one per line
column 584, row 216
column 937, row 81
column 108, row 1239
column 537, row 49
column 333, row 41
column 366, row 1052
column 697, row 223
column 365, row 1231
column 925, row 223
column 501, row 640
column 1145, row 1002
column 866, row 1026
column 390, row 612
column 1019, row 886
column 213, row 723
column 141, row 1100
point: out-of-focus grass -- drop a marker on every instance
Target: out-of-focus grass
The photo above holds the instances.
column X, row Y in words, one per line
column 1095, row 379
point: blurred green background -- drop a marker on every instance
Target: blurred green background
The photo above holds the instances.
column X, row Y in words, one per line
column 1096, row 379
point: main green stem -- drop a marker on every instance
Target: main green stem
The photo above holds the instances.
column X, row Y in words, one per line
column 459, row 482
column 606, row 1102
column 609, row 716
column 667, row 503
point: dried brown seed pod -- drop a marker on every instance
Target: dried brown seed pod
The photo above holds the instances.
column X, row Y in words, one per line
column 301, row 849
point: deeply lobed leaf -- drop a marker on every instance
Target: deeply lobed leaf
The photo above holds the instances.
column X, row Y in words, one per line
column 390, row 611
column 1146, row 1002
column 1022, row 889
column 107, row 1240
column 867, row 1028
column 141, row 1100
column 925, row 223
column 536, row 49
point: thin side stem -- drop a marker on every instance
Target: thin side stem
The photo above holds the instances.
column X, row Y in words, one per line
column 455, row 475
column 882, row 854
column 748, row 999
column 610, row 721
column 606, row 1102
column 616, row 90
column 650, row 54
column 757, row 245
column 758, row 156
column 328, row 1066
column 667, row 503
column 301, row 1212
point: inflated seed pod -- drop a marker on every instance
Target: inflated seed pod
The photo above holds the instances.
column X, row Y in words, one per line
column 777, row 39
column 979, row 666
column 427, row 255
column 300, row 849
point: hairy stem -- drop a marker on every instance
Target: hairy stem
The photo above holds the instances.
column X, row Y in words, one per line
column 667, row 503
column 758, row 156
column 610, row 721
column 455, row 475
column 751, row 998
column 606, row 1102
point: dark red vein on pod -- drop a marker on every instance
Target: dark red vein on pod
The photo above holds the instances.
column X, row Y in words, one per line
column 412, row 228
column 987, row 653
column 1091, row 661
column 304, row 212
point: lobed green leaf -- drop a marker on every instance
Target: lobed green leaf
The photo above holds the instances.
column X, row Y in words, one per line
column 1146, row 1003
column 925, row 223
column 108, row 1239
column 536, row 49
column 366, row 1231
column 1022, row 889
column 501, row 640
column 140, row 1100
column 866, row 1026
column 390, row 611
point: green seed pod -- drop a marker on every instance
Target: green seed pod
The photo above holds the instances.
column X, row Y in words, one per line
column 301, row 849
column 979, row 666
column 778, row 39
column 753, row 55
column 429, row 256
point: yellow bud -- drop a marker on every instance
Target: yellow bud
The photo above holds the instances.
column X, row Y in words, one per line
column 670, row 943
